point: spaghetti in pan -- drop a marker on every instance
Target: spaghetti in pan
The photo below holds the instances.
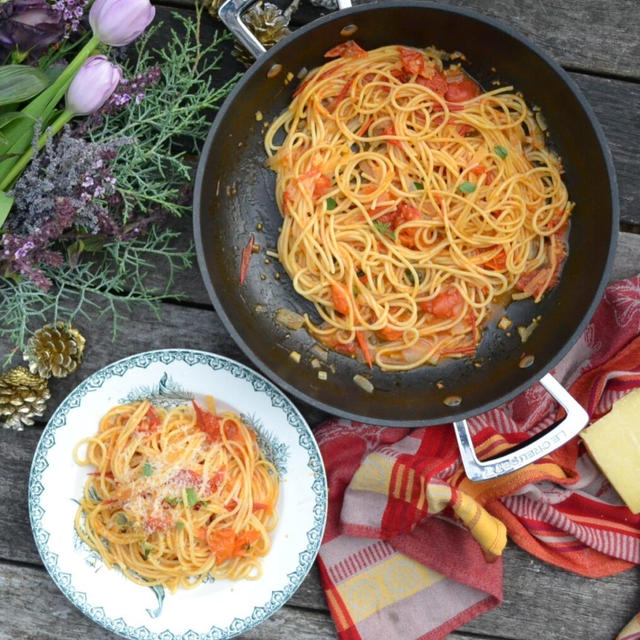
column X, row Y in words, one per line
column 413, row 202
column 178, row 495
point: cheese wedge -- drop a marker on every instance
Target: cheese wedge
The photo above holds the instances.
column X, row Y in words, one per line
column 613, row 442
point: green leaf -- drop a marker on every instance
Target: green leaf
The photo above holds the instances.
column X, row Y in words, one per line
column 419, row 186
column 10, row 116
column 410, row 277
column 19, row 82
column 180, row 525
column 172, row 500
column 192, row 497
column 122, row 520
column 383, row 228
column 6, row 202
column 146, row 549
column 467, row 187
column 331, row 204
column 93, row 494
column 501, row 151
column 147, row 470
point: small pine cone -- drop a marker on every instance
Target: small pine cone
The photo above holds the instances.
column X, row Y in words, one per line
column 268, row 23
column 23, row 397
column 55, row 350
column 212, row 7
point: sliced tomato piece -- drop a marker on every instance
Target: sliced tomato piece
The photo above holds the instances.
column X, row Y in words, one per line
column 364, row 346
column 462, row 91
column 217, row 479
column 445, row 305
column 245, row 259
column 322, row 186
column 288, row 198
column 207, row 422
column 348, row 49
column 412, row 60
column 391, row 131
column 222, row 542
column 344, row 92
column 497, row 262
column 340, row 299
column 244, row 541
column 436, row 82
column 390, row 334
column 406, row 213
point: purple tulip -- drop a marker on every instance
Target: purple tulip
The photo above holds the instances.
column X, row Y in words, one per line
column 92, row 86
column 119, row 22
column 29, row 24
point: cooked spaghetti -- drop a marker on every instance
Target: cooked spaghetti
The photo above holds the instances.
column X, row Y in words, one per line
column 412, row 202
column 178, row 495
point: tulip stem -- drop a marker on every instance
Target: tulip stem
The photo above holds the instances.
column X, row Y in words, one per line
column 26, row 157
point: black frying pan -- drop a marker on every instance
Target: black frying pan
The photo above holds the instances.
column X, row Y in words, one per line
column 234, row 195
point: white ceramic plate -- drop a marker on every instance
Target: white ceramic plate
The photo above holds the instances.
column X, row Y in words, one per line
column 215, row 609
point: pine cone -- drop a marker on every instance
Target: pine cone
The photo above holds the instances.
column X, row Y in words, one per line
column 268, row 23
column 23, row 396
column 55, row 350
column 212, row 7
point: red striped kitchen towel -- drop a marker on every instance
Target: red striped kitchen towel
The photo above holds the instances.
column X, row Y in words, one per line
column 412, row 547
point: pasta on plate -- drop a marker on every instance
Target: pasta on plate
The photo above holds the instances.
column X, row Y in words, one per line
column 178, row 494
column 413, row 201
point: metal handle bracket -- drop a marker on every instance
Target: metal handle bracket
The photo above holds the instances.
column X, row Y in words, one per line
column 533, row 449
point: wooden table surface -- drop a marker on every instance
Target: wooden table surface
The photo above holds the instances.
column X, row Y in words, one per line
column 599, row 44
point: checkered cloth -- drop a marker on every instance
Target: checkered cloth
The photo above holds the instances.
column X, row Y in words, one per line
column 412, row 547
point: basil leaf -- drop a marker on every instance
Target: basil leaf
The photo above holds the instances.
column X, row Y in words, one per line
column 501, row 151
column 147, row 470
column 192, row 497
column 467, row 187
column 122, row 520
column 331, row 204
column 419, row 186
column 180, row 525
column 383, row 228
column 172, row 500
column 146, row 549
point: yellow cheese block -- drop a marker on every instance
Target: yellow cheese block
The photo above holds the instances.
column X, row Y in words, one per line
column 614, row 443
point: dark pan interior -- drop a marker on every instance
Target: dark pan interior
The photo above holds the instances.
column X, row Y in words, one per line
column 234, row 194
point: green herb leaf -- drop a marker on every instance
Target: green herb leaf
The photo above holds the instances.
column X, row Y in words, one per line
column 180, row 525
column 146, row 549
column 331, row 204
column 418, row 185
column 410, row 277
column 383, row 228
column 172, row 500
column 467, row 187
column 501, row 151
column 94, row 495
column 6, row 202
column 19, row 82
column 147, row 470
column 122, row 520
column 192, row 497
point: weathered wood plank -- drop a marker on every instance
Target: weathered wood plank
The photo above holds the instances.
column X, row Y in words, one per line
column 32, row 607
column 599, row 37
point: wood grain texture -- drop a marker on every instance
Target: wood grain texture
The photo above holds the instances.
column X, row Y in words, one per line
column 590, row 35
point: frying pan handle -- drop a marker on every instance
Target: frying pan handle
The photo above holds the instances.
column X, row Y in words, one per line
column 533, row 449
column 230, row 13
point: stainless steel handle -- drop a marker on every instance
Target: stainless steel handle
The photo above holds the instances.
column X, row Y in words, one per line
column 231, row 14
column 533, row 449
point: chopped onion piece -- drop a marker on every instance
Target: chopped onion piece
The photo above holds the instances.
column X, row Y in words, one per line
column 272, row 254
column 363, row 383
column 320, row 352
column 289, row 319
column 322, row 375
column 504, row 323
column 295, row 356
column 542, row 123
column 525, row 332
column 315, row 363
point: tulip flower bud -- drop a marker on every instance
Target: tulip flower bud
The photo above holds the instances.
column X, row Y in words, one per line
column 119, row 22
column 92, row 86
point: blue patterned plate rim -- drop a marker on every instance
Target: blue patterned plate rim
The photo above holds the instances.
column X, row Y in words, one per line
column 191, row 357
